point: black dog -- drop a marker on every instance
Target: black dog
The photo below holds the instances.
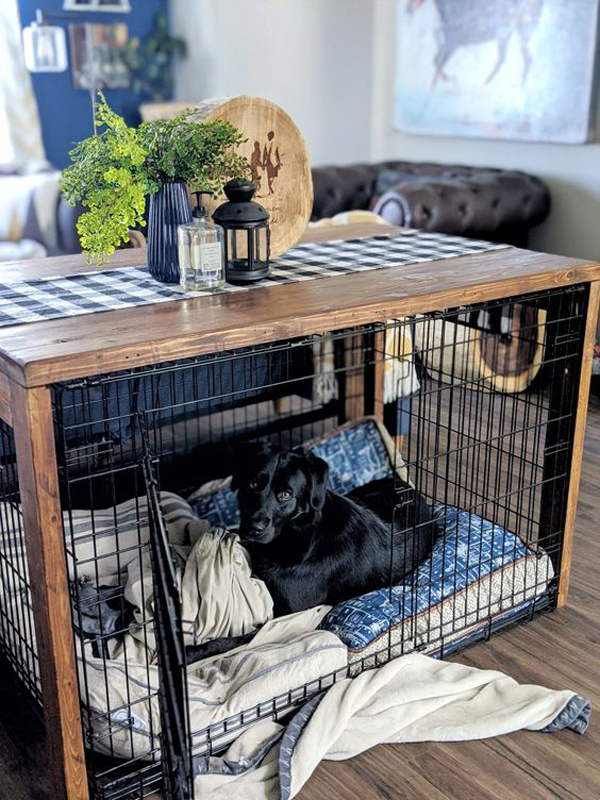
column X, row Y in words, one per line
column 312, row 546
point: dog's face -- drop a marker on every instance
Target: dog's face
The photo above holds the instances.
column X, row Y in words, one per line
column 275, row 488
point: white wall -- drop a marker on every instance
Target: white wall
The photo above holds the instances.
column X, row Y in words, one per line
column 313, row 57
column 330, row 64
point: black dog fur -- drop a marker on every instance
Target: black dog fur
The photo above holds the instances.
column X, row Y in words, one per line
column 312, row 546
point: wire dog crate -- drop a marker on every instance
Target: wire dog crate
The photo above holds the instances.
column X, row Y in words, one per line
column 484, row 412
column 476, row 393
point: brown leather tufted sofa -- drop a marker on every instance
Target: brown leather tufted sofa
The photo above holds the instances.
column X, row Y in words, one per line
column 493, row 204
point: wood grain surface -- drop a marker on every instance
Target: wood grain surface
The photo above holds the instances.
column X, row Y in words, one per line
column 45, row 352
column 276, row 151
column 42, row 522
column 578, row 440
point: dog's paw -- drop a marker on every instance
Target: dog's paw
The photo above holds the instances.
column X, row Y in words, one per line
column 93, row 617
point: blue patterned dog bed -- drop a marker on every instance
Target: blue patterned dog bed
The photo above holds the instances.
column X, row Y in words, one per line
column 477, row 570
column 356, row 455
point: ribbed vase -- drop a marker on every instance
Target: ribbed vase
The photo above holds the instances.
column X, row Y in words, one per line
column 168, row 208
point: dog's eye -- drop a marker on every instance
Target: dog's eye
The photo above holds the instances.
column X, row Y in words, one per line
column 285, row 495
column 253, row 484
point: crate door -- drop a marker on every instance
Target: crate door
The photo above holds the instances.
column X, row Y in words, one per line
column 173, row 696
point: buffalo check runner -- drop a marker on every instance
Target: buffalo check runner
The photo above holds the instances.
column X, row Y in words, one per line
column 109, row 290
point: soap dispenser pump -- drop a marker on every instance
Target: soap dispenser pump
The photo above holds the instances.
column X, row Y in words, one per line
column 201, row 252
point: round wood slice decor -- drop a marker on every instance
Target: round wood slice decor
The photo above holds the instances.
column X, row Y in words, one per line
column 454, row 353
column 277, row 154
column 511, row 364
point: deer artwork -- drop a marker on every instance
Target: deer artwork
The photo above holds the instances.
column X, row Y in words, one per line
column 467, row 22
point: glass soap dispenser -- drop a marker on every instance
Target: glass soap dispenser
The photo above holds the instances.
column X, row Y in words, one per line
column 201, row 252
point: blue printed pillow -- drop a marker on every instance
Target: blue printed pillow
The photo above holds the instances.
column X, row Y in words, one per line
column 356, row 455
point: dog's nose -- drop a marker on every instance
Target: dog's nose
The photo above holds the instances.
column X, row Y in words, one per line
column 258, row 527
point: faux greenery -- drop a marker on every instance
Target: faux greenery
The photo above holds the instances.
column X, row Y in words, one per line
column 113, row 172
column 149, row 61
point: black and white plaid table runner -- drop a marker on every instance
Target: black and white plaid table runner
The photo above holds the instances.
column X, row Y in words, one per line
column 109, row 290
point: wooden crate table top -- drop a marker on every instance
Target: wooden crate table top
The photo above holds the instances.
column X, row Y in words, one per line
column 40, row 353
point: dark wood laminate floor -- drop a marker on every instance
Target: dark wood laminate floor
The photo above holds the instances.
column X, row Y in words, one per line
column 561, row 650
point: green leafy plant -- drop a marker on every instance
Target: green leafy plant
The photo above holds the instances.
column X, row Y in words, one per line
column 149, row 61
column 113, row 172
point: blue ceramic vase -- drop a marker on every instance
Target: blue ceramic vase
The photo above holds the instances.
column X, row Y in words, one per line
column 168, row 208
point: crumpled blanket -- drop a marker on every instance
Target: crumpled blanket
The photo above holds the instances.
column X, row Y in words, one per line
column 219, row 595
column 285, row 656
column 414, row 698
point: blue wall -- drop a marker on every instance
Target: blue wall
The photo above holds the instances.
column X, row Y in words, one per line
column 65, row 112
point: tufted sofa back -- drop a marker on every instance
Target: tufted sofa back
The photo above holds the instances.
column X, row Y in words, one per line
column 494, row 204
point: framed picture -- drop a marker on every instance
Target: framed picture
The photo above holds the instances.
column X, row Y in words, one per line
column 114, row 6
column 96, row 55
column 501, row 69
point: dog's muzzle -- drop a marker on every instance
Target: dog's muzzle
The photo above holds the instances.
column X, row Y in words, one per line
column 256, row 531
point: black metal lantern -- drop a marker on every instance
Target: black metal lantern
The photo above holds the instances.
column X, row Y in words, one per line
column 247, row 236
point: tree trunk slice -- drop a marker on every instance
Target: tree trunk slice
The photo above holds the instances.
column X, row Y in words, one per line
column 276, row 151
column 510, row 367
column 453, row 353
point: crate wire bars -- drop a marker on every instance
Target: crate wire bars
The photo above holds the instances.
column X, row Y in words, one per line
column 467, row 439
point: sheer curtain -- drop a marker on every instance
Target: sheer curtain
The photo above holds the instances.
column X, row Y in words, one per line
column 20, row 132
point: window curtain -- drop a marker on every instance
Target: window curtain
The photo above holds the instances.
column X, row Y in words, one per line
column 20, row 132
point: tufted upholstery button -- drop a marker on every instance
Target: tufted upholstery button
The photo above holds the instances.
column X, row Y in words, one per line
column 495, row 202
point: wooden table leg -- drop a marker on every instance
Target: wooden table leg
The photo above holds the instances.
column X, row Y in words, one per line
column 354, row 378
column 40, row 500
column 585, row 378
column 379, row 380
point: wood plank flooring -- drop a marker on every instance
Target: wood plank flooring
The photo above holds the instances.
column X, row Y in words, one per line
column 561, row 650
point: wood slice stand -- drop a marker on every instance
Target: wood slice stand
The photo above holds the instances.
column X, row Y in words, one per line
column 277, row 154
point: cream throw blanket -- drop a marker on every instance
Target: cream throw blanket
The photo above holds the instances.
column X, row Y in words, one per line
column 412, row 699
column 219, row 596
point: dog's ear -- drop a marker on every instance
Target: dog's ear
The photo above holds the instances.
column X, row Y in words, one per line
column 247, row 457
column 318, row 473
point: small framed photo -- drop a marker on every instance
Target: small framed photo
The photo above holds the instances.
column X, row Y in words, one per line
column 96, row 55
column 112, row 6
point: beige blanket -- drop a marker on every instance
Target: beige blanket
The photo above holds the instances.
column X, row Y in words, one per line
column 412, row 699
column 219, row 596
column 273, row 670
